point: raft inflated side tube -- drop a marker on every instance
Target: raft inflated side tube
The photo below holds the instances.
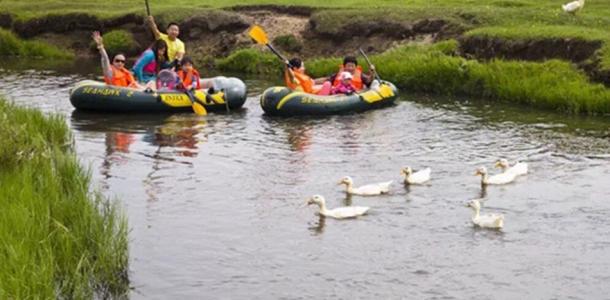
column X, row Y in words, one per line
column 281, row 101
column 97, row 96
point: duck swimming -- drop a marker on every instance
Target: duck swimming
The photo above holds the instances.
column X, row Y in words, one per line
column 366, row 190
column 339, row 212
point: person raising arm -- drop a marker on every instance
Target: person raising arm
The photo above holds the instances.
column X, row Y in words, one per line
column 175, row 47
column 115, row 73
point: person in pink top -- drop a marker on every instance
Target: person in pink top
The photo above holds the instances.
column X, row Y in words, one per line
column 345, row 86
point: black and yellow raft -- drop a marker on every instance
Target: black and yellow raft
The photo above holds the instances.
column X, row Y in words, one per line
column 92, row 95
column 281, row 101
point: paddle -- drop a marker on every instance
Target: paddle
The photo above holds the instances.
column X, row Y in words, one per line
column 147, row 8
column 198, row 108
column 259, row 35
column 370, row 64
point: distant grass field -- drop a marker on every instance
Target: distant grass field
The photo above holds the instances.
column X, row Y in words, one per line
column 57, row 239
column 504, row 18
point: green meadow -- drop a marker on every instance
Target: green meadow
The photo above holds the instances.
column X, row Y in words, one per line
column 59, row 240
column 436, row 69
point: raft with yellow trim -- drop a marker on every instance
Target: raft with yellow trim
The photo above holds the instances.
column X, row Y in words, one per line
column 92, row 95
column 282, row 101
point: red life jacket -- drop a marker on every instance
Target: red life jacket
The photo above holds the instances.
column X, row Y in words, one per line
column 187, row 78
column 120, row 77
column 356, row 79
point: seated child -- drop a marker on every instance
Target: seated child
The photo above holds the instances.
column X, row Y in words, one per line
column 188, row 77
column 345, row 86
column 296, row 79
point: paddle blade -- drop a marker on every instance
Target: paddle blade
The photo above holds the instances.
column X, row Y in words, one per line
column 199, row 109
column 258, row 34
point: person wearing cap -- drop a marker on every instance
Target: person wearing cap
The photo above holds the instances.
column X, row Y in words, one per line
column 350, row 65
column 345, row 85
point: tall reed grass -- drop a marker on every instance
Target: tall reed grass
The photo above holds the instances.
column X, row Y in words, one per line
column 58, row 240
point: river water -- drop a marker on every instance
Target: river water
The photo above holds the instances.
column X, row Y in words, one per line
column 213, row 202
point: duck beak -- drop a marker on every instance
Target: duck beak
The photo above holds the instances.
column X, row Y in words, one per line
column 498, row 164
column 340, row 182
column 305, row 204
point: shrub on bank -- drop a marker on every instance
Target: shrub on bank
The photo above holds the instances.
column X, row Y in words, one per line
column 251, row 61
column 119, row 41
column 11, row 45
column 58, row 239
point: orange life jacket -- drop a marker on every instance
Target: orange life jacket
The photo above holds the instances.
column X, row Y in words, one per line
column 187, row 78
column 120, row 77
column 122, row 141
column 356, row 80
column 303, row 82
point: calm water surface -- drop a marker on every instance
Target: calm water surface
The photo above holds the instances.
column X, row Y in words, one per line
column 213, row 202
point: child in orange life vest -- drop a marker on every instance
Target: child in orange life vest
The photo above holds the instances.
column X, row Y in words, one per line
column 345, row 86
column 296, row 79
column 115, row 73
column 188, row 77
column 359, row 79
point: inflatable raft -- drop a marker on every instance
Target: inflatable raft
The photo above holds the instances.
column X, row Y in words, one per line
column 97, row 96
column 281, row 101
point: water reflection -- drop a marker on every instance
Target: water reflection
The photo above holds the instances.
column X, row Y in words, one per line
column 318, row 227
column 181, row 134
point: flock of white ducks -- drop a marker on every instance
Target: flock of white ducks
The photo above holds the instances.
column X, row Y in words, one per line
column 494, row 221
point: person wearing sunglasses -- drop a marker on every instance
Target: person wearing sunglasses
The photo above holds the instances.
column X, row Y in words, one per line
column 115, row 73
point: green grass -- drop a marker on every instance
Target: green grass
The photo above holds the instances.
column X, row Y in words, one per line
column 118, row 41
column 516, row 18
column 554, row 84
column 57, row 239
column 11, row 45
column 251, row 61
column 537, row 32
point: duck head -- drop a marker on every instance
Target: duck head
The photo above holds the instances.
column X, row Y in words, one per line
column 501, row 163
column 346, row 180
column 481, row 171
column 316, row 199
column 406, row 171
column 474, row 204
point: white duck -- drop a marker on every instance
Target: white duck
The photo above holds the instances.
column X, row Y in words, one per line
column 573, row 6
column 418, row 177
column 366, row 190
column 502, row 178
column 339, row 212
column 519, row 168
column 495, row 221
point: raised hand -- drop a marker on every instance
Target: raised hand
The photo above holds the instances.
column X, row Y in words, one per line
column 97, row 37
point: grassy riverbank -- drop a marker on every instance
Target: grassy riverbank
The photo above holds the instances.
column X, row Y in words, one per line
column 58, row 239
column 11, row 45
column 554, row 84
